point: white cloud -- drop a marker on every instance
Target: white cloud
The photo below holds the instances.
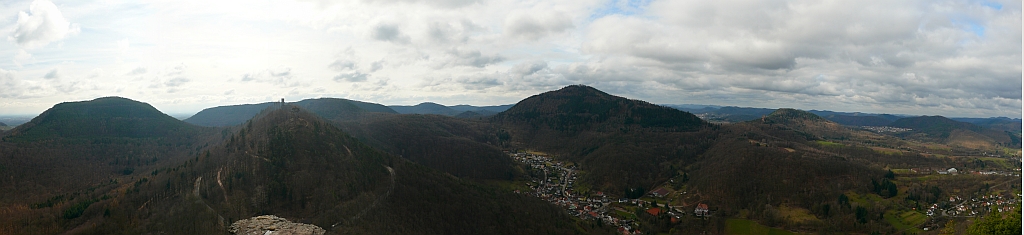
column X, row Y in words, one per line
column 42, row 24
column 956, row 57
column 11, row 85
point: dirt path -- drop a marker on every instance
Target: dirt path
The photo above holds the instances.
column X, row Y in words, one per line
column 376, row 201
column 219, row 183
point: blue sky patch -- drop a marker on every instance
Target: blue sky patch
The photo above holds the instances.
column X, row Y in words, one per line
column 620, row 7
column 993, row 5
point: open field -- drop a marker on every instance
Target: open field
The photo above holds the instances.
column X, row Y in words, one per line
column 905, row 221
column 749, row 227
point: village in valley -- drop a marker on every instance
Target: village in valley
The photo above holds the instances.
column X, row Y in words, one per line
column 556, row 182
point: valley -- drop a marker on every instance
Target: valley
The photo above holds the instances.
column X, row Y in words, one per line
column 571, row 161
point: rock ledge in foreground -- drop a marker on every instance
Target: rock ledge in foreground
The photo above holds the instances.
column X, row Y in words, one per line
column 269, row 224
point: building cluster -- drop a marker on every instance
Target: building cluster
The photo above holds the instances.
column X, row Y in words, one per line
column 954, row 171
column 960, row 207
column 881, row 129
column 556, row 186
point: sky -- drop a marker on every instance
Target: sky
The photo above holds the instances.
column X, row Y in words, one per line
column 919, row 57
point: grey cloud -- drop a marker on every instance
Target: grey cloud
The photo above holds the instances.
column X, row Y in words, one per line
column 870, row 55
column 479, row 81
column 440, row 32
column 42, row 24
column 376, row 65
column 177, row 81
column 53, row 74
column 68, row 87
column 351, row 77
column 536, row 25
column 249, row 77
column 280, row 76
column 280, row 73
column 11, row 86
column 435, row 3
column 177, row 70
column 389, row 33
column 137, row 71
column 528, row 68
column 455, row 32
column 474, row 58
column 342, row 65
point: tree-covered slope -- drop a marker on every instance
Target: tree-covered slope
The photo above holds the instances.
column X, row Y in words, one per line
column 99, row 118
column 463, row 148
column 330, row 108
column 622, row 143
column 291, row 163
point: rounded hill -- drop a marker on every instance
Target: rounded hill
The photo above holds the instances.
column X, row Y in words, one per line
column 101, row 117
column 580, row 108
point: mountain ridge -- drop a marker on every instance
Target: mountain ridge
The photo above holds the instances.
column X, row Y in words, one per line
column 331, row 108
column 100, row 117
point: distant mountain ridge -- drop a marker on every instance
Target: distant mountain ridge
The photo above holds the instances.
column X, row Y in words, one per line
column 330, row 108
column 462, row 110
column 942, row 129
column 740, row 114
column 425, row 108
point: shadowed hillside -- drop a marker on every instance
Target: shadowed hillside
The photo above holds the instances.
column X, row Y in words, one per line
column 622, row 143
column 330, row 108
column 944, row 130
column 859, row 120
column 98, row 118
column 54, row 167
column 227, row 115
column 291, row 163
column 464, row 111
column 805, row 123
column 460, row 147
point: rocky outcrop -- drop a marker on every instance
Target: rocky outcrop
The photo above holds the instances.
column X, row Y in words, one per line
column 269, row 224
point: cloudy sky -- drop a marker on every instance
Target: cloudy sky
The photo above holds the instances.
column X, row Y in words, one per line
column 953, row 58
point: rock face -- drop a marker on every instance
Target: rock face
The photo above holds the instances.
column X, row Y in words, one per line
column 269, row 224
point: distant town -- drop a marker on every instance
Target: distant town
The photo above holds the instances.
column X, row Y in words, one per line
column 557, row 187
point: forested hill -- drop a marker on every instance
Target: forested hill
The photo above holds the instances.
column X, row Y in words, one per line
column 624, row 144
column 227, row 115
column 578, row 108
column 291, row 163
column 330, row 108
column 935, row 125
column 98, row 118
column 463, row 148
column 942, row 129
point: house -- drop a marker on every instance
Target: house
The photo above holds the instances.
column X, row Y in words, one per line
column 701, row 210
column 660, row 192
column 654, row 211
